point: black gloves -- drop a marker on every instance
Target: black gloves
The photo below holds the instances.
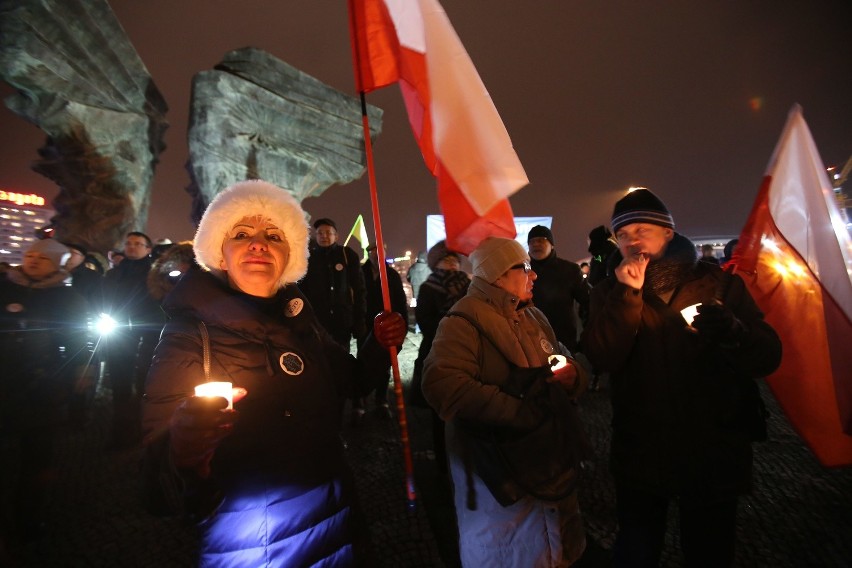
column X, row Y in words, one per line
column 717, row 323
column 389, row 329
column 197, row 427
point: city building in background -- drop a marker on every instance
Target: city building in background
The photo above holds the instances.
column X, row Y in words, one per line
column 23, row 216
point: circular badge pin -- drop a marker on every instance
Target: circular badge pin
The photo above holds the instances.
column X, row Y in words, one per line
column 546, row 345
column 294, row 306
column 291, row 363
column 14, row 308
column 338, row 267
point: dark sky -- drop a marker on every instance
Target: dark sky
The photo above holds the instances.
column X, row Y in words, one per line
column 687, row 98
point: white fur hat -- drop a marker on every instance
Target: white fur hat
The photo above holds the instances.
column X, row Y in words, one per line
column 248, row 199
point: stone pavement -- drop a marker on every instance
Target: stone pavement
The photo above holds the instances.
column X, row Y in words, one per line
column 800, row 514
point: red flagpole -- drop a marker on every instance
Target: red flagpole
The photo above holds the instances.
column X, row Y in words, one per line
column 380, row 248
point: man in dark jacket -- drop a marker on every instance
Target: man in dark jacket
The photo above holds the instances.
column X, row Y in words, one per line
column 559, row 288
column 334, row 285
column 130, row 346
column 682, row 395
column 375, row 306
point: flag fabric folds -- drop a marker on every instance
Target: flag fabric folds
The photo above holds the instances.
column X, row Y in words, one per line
column 461, row 136
column 359, row 231
column 795, row 255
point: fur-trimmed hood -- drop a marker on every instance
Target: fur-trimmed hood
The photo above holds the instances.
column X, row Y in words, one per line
column 250, row 198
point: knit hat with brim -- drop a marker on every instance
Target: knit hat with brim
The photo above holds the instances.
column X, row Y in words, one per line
column 52, row 249
column 439, row 252
column 249, row 199
column 495, row 255
column 641, row 206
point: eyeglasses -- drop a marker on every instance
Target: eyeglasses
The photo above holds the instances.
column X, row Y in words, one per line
column 525, row 266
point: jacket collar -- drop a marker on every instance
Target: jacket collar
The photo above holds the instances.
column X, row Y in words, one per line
column 505, row 303
column 17, row 276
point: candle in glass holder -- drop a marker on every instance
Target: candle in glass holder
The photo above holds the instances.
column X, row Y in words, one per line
column 557, row 362
column 217, row 388
column 689, row 313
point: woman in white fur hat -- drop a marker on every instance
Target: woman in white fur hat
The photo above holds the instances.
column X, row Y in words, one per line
column 514, row 441
column 272, row 488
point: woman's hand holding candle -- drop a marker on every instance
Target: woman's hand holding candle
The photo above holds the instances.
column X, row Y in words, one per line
column 197, row 427
column 564, row 372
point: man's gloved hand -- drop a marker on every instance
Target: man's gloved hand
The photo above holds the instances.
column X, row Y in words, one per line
column 389, row 329
column 197, row 427
column 715, row 322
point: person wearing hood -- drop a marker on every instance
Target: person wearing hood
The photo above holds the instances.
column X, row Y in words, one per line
column 685, row 407
column 418, row 273
column 514, row 441
column 43, row 349
column 272, row 488
column 560, row 290
column 169, row 267
column 602, row 245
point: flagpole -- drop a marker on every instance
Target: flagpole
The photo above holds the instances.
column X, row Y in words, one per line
column 380, row 248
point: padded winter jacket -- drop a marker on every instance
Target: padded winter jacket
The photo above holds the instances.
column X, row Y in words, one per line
column 287, row 495
column 676, row 397
column 462, row 379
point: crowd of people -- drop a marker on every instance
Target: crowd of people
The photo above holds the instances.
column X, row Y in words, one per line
column 264, row 301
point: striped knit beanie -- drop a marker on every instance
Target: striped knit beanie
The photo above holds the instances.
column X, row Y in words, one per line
column 641, row 206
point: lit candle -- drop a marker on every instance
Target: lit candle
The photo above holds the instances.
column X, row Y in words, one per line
column 217, row 388
column 689, row 313
column 557, row 362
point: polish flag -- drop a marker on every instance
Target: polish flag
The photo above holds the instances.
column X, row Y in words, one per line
column 795, row 255
column 460, row 133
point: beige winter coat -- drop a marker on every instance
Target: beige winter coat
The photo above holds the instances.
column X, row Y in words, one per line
column 462, row 379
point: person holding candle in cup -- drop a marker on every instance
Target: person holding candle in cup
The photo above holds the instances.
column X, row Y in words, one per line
column 683, row 396
column 266, row 479
column 514, row 442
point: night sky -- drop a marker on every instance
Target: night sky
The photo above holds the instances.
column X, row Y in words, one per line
column 686, row 98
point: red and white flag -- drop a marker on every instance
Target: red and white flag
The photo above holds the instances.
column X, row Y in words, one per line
column 461, row 136
column 795, row 255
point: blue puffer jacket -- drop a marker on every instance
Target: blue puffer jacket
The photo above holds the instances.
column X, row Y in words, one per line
column 287, row 491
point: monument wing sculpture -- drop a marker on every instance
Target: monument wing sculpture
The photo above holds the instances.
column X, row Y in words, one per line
column 80, row 80
column 256, row 117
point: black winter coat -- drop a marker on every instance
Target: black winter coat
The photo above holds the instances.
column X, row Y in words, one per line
column 126, row 297
column 375, row 302
column 676, row 397
column 43, row 337
column 560, row 283
column 334, row 286
column 282, row 469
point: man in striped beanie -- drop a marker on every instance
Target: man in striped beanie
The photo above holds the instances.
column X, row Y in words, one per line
column 685, row 408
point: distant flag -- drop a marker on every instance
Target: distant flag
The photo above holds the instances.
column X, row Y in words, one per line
column 460, row 134
column 795, row 255
column 359, row 231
